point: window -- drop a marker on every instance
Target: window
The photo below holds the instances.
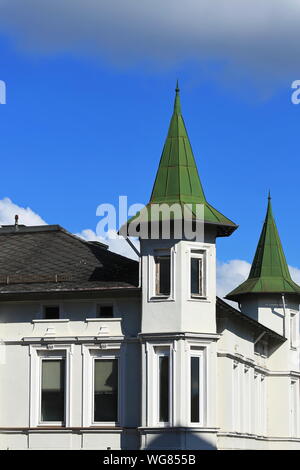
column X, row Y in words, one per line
column 106, row 390
column 195, row 389
column 197, row 285
column 260, row 403
column 237, row 397
column 247, row 399
column 105, row 311
column 162, row 275
column 53, row 390
column 294, row 408
column 164, row 388
column 293, row 329
column 51, row 312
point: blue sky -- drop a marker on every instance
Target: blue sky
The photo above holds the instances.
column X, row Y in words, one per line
column 80, row 129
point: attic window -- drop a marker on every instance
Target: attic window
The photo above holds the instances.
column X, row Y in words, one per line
column 105, row 311
column 51, row 312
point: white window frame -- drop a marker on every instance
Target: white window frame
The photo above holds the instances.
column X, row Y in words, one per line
column 90, row 354
column 260, row 403
column 263, row 391
column 43, row 359
column 163, row 352
column 154, row 351
column 236, row 396
column 294, row 408
column 98, row 357
column 199, row 352
column 152, row 294
column 200, row 254
column 247, row 399
column 37, row 354
column 294, row 329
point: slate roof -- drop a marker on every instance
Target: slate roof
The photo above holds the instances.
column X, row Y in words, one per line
column 49, row 259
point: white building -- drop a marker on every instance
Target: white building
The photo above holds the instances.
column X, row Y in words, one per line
column 98, row 351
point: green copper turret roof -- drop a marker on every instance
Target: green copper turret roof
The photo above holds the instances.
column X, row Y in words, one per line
column 177, row 179
column 269, row 271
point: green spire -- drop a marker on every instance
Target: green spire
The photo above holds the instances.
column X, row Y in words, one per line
column 269, row 271
column 177, row 179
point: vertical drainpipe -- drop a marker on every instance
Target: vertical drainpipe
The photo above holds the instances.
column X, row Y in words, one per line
column 138, row 253
column 284, row 314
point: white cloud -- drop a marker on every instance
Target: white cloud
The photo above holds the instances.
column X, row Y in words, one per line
column 8, row 210
column 230, row 274
column 257, row 35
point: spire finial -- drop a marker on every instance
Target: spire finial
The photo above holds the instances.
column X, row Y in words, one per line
column 177, row 107
column 269, row 196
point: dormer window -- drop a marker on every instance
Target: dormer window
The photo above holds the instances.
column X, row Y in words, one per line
column 197, row 273
column 162, row 274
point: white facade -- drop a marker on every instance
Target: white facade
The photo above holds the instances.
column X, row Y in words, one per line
column 244, row 366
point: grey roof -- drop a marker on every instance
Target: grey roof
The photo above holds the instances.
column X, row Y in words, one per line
column 49, row 259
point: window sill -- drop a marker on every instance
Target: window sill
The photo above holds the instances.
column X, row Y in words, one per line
column 161, row 298
column 99, row 319
column 53, row 320
column 196, row 298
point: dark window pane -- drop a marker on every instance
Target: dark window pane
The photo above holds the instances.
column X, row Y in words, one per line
column 163, row 275
column 195, row 417
column 105, row 311
column 106, row 390
column 52, row 312
column 196, row 276
column 164, row 389
column 53, row 390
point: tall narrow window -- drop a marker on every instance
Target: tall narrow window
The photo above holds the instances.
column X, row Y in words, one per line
column 195, row 389
column 294, row 408
column 106, row 390
column 236, row 398
column 164, row 388
column 162, row 275
column 197, row 286
column 53, row 390
column 293, row 329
